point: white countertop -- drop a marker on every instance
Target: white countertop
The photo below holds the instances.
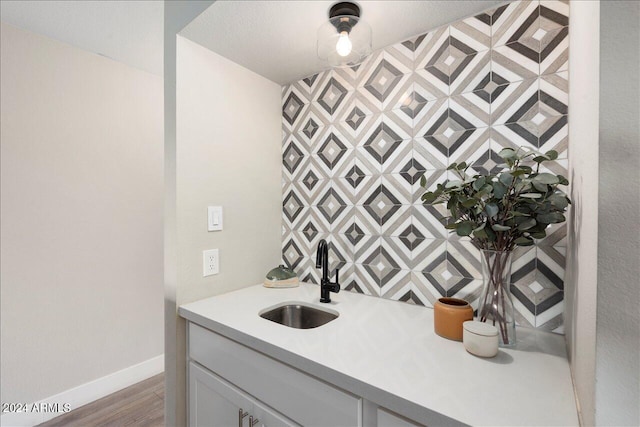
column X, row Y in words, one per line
column 387, row 352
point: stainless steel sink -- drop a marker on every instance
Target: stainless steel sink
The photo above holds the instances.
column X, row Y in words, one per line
column 298, row 315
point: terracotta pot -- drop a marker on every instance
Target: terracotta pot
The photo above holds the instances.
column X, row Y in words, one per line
column 448, row 316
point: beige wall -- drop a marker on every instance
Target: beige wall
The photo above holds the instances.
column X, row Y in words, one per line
column 177, row 14
column 81, row 216
column 582, row 258
column 618, row 332
column 227, row 153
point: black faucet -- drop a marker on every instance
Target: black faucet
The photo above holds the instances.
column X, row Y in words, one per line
column 322, row 261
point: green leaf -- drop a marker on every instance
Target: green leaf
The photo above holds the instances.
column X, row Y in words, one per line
column 562, row 180
column 552, row 154
column 465, row 228
column 462, row 166
column 558, row 201
column 451, row 226
column 491, row 209
column 499, row 190
column 531, row 195
column 527, row 224
column 480, row 234
column 469, row 203
column 452, row 166
column 429, row 197
column 540, row 187
column 546, row 178
column 479, row 183
column 423, row 181
column 540, row 159
column 539, row 234
column 498, row 227
column 454, row 183
column 551, row 218
column 524, row 241
column 507, row 153
column 506, row 178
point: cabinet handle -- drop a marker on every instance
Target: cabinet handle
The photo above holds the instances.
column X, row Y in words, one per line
column 241, row 415
column 253, row 421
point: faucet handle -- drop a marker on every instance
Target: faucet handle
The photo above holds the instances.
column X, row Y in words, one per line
column 337, row 276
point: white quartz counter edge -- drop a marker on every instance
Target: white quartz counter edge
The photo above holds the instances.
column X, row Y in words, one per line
column 386, row 352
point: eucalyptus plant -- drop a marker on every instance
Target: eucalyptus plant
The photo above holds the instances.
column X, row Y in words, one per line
column 507, row 209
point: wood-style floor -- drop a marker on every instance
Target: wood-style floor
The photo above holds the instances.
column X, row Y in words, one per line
column 140, row 405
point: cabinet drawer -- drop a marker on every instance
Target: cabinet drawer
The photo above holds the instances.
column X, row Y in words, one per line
column 215, row 402
column 300, row 397
column 389, row 419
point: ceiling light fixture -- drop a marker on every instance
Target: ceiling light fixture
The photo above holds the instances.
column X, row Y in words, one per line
column 340, row 42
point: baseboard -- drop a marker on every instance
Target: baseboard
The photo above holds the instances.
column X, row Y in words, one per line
column 85, row 393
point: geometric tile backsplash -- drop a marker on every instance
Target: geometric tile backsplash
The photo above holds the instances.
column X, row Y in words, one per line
column 357, row 140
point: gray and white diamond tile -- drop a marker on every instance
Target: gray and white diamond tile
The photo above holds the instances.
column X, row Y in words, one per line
column 554, row 46
column 431, row 48
column 427, row 253
column 554, row 92
column 464, row 257
column 387, row 82
column 513, row 22
column 471, row 292
column 399, row 187
column 401, row 291
column 516, row 103
column 356, row 142
column 366, row 283
column 396, row 157
column 471, row 108
column 467, row 78
column 400, row 251
column 309, row 128
column 366, row 249
column 431, row 117
column 397, row 220
column 474, row 32
column 428, row 156
column 423, row 289
column 391, row 282
column 511, row 65
column 330, row 99
column 426, row 220
column 472, row 149
column 368, row 223
column 552, row 319
column 428, row 86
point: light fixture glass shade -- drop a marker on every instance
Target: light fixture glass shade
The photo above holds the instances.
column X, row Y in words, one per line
column 344, row 41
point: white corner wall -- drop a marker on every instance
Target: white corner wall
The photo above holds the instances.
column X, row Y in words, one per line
column 617, row 382
column 227, row 154
column 81, row 216
column 582, row 258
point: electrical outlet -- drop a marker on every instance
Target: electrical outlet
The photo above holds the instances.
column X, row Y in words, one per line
column 210, row 260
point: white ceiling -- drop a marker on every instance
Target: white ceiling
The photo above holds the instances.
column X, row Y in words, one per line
column 277, row 39
column 127, row 31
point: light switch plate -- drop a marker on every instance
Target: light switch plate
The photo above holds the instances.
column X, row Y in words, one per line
column 210, row 262
column 214, row 218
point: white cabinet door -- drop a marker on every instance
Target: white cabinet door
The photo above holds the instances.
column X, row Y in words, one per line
column 303, row 398
column 214, row 402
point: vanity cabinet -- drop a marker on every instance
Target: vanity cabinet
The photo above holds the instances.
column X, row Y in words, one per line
column 225, row 376
column 215, row 402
